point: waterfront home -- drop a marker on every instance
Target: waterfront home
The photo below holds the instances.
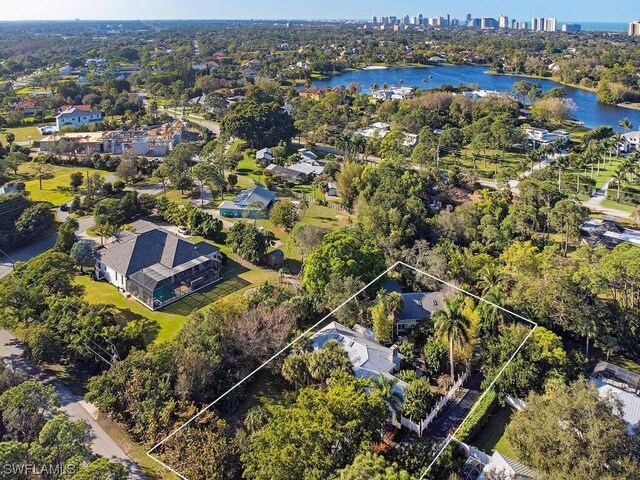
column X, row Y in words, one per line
column 538, row 137
column 630, row 142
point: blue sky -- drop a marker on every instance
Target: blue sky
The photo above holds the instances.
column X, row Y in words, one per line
column 565, row 10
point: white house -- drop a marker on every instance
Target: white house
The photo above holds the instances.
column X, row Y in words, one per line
column 501, row 466
column 630, row 142
column 538, row 137
column 611, row 380
column 66, row 70
column 77, row 115
column 393, row 93
column 368, row 358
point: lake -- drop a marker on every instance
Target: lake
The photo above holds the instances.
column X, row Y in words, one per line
column 588, row 109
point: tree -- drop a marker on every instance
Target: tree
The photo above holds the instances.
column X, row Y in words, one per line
column 567, row 217
column 66, row 235
column 76, row 180
column 345, row 252
column 232, row 178
column 25, row 409
column 63, row 443
column 320, row 432
column 418, row 399
column 102, row 469
column 11, row 137
column 570, row 432
column 204, row 173
column 260, row 124
column 435, row 356
column 385, row 387
column 452, row 326
column 127, row 169
column 625, row 123
column 41, row 170
column 330, row 358
column 383, row 315
column 345, row 182
column 370, row 466
column 34, row 221
column 13, row 161
column 248, row 241
column 307, row 238
column 284, row 213
column 81, row 253
column 163, row 173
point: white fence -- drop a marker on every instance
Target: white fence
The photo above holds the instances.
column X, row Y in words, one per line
column 476, row 453
column 423, row 424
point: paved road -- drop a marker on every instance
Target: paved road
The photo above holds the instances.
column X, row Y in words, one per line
column 30, row 251
column 11, row 352
column 456, row 410
column 214, row 127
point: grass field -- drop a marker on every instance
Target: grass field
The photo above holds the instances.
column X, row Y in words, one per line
column 619, row 206
column 53, row 188
column 22, row 133
column 492, row 437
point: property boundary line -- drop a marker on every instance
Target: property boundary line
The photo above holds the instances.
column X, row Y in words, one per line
column 317, row 324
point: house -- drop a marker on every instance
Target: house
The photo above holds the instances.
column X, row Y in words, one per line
column 156, row 141
column 501, row 466
column 312, row 92
column 246, row 203
column 607, row 232
column 264, row 156
column 199, row 100
column 8, row 189
column 288, row 108
column 332, row 189
column 77, row 116
column 157, row 267
column 309, row 163
column 611, row 380
column 377, row 130
column 98, row 62
column 417, row 307
column 66, row 70
column 393, row 93
column 286, row 174
column 630, row 142
column 368, row 358
column 538, row 137
column 307, row 155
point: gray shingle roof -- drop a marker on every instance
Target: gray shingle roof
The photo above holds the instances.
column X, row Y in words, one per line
column 420, row 305
column 150, row 245
column 255, row 194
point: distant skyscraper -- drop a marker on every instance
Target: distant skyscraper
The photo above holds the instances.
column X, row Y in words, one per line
column 534, row 24
column 469, row 17
column 488, row 23
column 523, row 26
column 571, row 27
column 374, row 19
column 514, row 24
column 541, row 25
column 634, row 28
column 448, row 20
column 504, row 21
column 550, row 25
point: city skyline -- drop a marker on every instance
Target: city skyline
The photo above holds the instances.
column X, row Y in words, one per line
column 613, row 11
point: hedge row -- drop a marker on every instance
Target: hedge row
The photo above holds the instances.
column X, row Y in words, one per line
column 478, row 417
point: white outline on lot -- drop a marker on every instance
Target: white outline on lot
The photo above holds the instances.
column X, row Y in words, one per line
column 326, row 317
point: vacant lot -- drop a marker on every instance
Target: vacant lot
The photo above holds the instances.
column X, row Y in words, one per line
column 55, row 188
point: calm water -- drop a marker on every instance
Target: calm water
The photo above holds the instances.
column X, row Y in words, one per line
column 588, row 109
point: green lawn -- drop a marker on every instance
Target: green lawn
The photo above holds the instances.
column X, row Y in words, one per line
column 625, row 363
column 236, row 280
column 620, row 206
column 492, row 437
column 53, row 189
column 22, row 133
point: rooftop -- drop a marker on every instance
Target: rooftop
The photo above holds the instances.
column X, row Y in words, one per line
column 420, row 305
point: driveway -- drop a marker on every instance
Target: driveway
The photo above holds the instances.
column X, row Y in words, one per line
column 11, row 352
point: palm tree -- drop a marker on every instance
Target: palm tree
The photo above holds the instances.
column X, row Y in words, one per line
column 384, row 386
column 452, row 326
column 626, row 124
column 618, row 177
column 490, row 277
column 491, row 310
column 588, row 328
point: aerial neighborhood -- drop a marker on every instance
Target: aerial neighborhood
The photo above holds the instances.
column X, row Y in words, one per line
column 399, row 248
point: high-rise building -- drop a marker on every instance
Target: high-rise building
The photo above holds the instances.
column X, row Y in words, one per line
column 523, row 26
column 571, row 27
column 448, row 20
column 534, row 24
column 503, row 22
column 514, row 24
column 469, row 17
column 374, row 19
column 634, row 28
column 550, row 25
column 489, row 23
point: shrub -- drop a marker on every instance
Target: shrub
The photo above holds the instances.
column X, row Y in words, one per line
column 478, row 417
